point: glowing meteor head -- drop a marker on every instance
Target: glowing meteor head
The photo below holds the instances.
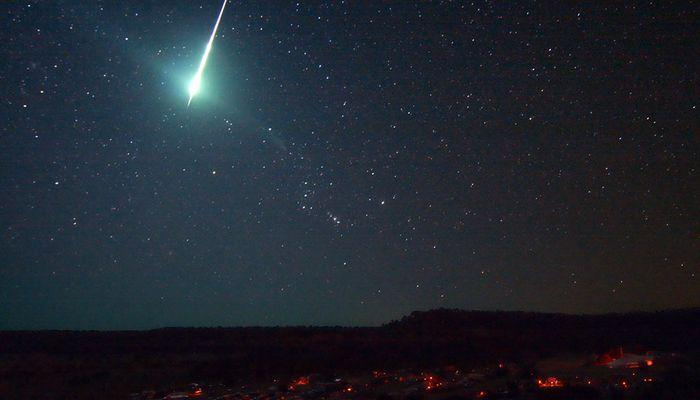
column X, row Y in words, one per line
column 195, row 84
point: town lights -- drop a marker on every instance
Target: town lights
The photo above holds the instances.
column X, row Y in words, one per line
column 550, row 382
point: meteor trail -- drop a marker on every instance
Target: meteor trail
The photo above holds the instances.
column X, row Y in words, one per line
column 196, row 81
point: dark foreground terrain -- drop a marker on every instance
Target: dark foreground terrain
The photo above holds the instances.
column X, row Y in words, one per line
column 436, row 354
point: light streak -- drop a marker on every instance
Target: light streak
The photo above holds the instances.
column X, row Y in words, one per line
column 196, row 81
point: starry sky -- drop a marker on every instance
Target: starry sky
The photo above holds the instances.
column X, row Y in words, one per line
column 345, row 163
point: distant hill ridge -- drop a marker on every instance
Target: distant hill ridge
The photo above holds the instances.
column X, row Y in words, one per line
column 442, row 334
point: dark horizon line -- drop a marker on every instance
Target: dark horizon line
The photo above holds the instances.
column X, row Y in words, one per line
column 231, row 327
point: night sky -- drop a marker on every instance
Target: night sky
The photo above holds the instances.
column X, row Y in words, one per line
column 345, row 163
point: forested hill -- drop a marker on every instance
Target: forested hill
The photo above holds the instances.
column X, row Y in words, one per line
column 662, row 330
column 463, row 319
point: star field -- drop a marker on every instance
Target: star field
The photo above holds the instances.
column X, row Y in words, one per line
column 345, row 163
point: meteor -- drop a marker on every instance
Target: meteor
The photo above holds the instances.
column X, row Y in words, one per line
column 196, row 81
